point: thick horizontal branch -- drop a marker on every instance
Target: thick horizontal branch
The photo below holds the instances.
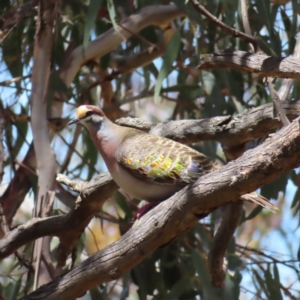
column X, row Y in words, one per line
column 68, row 227
column 231, row 131
column 174, row 216
column 261, row 64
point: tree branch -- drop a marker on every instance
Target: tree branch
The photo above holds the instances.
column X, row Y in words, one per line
column 166, row 221
column 287, row 83
column 231, row 216
column 68, row 227
column 126, row 64
column 261, row 64
column 46, row 160
column 157, row 15
column 228, row 29
column 231, row 131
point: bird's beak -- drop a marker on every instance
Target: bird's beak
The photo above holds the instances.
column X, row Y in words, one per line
column 76, row 120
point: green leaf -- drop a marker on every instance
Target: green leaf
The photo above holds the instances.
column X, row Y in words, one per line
column 181, row 88
column 126, row 281
column 152, row 69
column 253, row 214
column 123, row 204
column 200, row 266
column 90, row 153
column 91, row 16
column 232, row 286
column 234, row 262
column 96, row 294
column 104, row 61
column 178, row 289
column 11, row 291
column 271, row 190
column 260, row 281
column 112, row 14
column 4, row 6
column 276, row 273
column 190, row 11
column 169, row 57
column 145, row 276
column 12, row 52
column 273, row 286
column 55, row 85
column 263, row 7
column 208, row 80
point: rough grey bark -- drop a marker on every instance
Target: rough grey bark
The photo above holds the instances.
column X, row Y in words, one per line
column 233, row 132
column 260, row 64
column 178, row 214
column 46, row 160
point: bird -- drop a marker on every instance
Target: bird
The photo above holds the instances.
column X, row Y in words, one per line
column 146, row 166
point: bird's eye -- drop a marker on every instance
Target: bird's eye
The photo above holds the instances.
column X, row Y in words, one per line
column 88, row 113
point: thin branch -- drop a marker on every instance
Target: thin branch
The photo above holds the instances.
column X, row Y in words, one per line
column 14, row 80
column 288, row 83
column 157, row 15
column 277, row 103
column 67, row 227
column 245, row 18
column 218, row 23
column 231, row 215
column 11, row 18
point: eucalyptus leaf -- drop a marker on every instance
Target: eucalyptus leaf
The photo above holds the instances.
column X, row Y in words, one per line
column 168, row 59
column 91, row 16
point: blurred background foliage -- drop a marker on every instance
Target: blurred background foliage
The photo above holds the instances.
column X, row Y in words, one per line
column 263, row 257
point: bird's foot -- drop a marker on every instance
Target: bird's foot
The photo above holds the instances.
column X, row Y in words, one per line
column 141, row 211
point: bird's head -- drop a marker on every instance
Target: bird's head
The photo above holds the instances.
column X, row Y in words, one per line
column 88, row 115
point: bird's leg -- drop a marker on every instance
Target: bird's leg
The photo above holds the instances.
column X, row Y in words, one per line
column 141, row 211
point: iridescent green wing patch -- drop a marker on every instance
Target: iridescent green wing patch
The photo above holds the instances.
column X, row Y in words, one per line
column 161, row 160
column 155, row 167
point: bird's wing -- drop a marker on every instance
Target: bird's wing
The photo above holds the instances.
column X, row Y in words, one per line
column 160, row 160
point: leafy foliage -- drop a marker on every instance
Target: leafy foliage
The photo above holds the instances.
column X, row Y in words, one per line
column 177, row 270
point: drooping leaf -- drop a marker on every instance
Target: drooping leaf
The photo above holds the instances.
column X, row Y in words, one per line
column 178, row 289
column 273, row 285
column 168, row 59
column 253, row 214
column 144, row 276
column 112, row 13
column 91, row 16
column 96, row 294
column 272, row 189
column 11, row 291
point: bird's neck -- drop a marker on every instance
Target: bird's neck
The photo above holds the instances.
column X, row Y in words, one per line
column 107, row 136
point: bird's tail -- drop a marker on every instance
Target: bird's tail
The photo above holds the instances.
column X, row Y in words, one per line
column 260, row 200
